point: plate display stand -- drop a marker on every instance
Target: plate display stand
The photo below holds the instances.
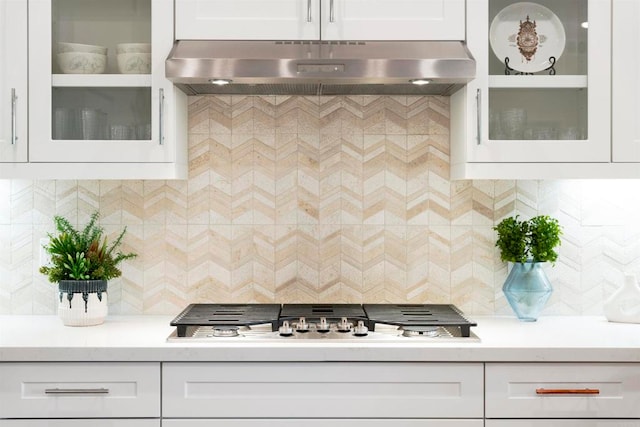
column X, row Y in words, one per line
column 508, row 70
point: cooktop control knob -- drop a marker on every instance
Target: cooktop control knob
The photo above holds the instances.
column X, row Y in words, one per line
column 322, row 326
column 285, row 330
column 360, row 330
column 344, row 325
column 302, row 325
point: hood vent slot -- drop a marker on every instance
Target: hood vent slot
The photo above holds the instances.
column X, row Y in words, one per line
column 306, row 89
column 251, row 89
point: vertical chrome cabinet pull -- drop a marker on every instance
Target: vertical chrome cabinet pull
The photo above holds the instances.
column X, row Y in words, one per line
column 479, row 118
column 161, row 117
column 14, row 98
column 332, row 14
column 308, row 10
column 76, row 391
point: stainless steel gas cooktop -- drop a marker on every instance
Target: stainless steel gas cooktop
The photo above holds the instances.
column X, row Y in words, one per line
column 308, row 322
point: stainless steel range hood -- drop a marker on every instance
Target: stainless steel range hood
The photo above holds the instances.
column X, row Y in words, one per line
column 320, row 68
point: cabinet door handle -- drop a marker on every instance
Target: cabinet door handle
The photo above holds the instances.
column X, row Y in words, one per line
column 161, row 117
column 76, row 391
column 479, row 116
column 332, row 10
column 309, row 11
column 567, row 391
column 14, row 99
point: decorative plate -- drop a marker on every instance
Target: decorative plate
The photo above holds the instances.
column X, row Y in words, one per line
column 528, row 34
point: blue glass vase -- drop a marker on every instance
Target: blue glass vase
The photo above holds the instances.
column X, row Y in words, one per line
column 527, row 289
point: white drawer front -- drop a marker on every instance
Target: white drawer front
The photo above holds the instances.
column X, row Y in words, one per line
column 511, row 390
column 322, row 390
column 79, row 390
column 81, row 423
column 562, row 423
column 322, row 423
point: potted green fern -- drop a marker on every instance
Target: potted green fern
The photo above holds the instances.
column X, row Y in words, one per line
column 82, row 262
column 529, row 245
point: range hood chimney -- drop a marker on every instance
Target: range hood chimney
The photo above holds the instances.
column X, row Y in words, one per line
column 320, row 67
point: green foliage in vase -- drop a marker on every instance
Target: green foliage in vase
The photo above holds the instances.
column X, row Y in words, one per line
column 533, row 240
column 83, row 254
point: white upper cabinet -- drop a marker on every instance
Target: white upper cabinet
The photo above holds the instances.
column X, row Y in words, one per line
column 626, row 81
column 248, row 19
column 320, row 19
column 95, row 109
column 393, row 20
column 13, row 81
column 542, row 92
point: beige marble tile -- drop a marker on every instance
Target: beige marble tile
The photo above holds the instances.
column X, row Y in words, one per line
column 373, row 115
column 133, row 202
column 264, row 115
column 319, row 199
column 198, row 111
column 220, row 114
column 155, row 202
column 286, row 115
column 242, row 114
column 308, row 115
column 331, row 112
column 418, row 115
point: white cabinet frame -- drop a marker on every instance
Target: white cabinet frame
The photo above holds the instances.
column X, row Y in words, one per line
column 13, row 81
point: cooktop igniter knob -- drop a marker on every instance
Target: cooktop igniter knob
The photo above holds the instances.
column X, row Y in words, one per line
column 302, row 325
column 323, row 327
column 360, row 330
column 285, row 330
column 344, row 325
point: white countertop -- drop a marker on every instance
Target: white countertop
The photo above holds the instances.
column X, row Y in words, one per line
column 144, row 338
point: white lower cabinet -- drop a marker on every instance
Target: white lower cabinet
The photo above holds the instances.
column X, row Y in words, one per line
column 81, row 423
column 80, row 390
column 322, row 423
column 319, row 394
column 562, row 395
column 562, row 423
column 340, row 391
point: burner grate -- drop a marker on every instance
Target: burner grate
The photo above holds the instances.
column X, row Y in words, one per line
column 226, row 315
column 418, row 315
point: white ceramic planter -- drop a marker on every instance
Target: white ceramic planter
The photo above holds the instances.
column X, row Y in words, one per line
column 82, row 302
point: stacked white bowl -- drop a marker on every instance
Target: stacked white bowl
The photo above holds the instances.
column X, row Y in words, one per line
column 134, row 58
column 76, row 58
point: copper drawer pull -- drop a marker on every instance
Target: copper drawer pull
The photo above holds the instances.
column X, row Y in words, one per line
column 567, row 391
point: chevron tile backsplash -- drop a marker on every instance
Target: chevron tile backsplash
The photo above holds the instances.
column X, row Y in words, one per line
column 320, row 199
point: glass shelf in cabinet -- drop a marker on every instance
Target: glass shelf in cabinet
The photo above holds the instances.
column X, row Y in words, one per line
column 101, row 80
column 542, row 82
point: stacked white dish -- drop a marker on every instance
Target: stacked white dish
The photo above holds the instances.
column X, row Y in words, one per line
column 76, row 58
column 134, row 58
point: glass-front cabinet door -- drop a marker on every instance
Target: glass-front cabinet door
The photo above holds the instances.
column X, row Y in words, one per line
column 97, row 86
column 543, row 88
column 13, row 81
